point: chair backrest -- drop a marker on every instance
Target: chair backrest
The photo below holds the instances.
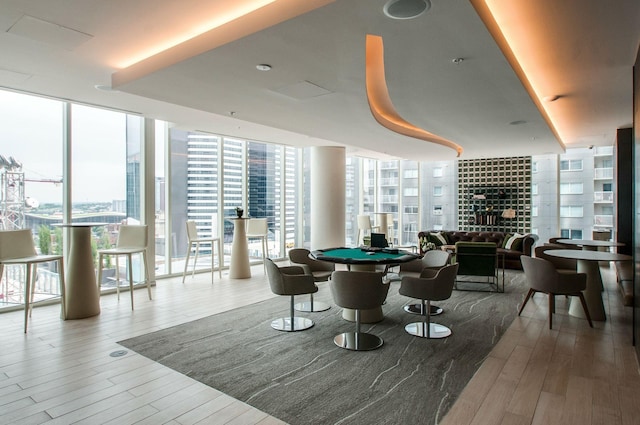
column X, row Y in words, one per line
column 301, row 256
column 364, row 222
column 390, row 230
column 558, row 263
column 434, row 288
column 477, row 258
column 192, row 230
column 358, row 289
column 16, row 244
column 289, row 280
column 132, row 236
column 435, row 258
column 276, row 281
column 541, row 274
column 215, row 233
column 257, row 227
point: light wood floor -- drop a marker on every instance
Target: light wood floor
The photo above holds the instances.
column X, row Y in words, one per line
column 62, row 371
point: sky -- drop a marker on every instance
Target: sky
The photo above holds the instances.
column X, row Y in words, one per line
column 31, row 131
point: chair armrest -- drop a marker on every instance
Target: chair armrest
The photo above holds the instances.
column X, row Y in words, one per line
column 305, row 267
column 293, row 270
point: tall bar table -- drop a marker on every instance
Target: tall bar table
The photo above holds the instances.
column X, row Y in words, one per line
column 82, row 293
column 239, row 268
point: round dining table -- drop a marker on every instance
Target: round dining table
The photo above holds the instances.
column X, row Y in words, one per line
column 587, row 261
column 363, row 259
column 590, row 244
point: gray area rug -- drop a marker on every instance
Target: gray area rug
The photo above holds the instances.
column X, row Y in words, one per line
column 303, row 378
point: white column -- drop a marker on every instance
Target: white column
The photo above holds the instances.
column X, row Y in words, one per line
column 327, row 197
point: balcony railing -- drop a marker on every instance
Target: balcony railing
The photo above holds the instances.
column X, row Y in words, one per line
column 389, row 182
column 390, row 199
column 604, row 197
column 603, row 173
column 603, row 220
column 604, row 151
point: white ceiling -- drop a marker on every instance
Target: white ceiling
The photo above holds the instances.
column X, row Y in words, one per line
column 315, row 92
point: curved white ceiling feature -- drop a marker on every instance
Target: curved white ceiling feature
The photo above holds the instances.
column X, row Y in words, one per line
column 380, row 103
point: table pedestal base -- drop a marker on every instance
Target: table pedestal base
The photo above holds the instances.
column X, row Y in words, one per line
column 82, row 294
column 592, row 294
column 239, row 268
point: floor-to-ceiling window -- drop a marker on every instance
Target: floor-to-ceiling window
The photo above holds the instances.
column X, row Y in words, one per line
column 103, row 177
column 31, row 137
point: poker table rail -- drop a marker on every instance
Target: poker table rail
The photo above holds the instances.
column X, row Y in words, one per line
column 344, row 255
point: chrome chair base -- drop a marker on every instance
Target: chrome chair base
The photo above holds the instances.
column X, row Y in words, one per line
column 427, row 330
column 310, row 308
column 286, row 324
column 417, row 309
column 358, row 341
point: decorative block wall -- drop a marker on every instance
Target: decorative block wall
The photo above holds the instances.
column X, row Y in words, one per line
column 494, row 194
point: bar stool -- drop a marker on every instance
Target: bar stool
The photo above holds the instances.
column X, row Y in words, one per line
column 258, row 228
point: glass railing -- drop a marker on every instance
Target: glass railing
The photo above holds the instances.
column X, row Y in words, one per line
column 603, row 220
column 603, row 173
column 603, row 197
column 603, row 151
column 47, row 285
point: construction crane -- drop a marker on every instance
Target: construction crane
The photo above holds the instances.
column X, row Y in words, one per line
column 13, row 201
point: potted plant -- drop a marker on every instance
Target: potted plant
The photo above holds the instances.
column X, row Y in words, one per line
column 239, row 212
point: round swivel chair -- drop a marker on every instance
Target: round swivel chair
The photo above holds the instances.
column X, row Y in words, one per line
column 321, row 272
column 429, row 264
column 358, row 290
column 290, row 281
column 427, row 289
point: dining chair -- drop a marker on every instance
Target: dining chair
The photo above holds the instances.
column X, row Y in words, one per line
column 194, row 243
column 132, row 239
column 542, row 276
column 17, row 248
column 258, row 228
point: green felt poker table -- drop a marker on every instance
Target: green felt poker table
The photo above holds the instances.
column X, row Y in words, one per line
column 363, row 259
column 364, row 256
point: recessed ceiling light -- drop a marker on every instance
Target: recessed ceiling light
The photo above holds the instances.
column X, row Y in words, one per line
column 406, row 9
column 263, row 67
column 457, row 61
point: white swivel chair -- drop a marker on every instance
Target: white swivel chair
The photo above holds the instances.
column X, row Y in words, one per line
column 17, row 248
column 364, row 228
column 194, row 242
column 132, row 239
column 257, row 228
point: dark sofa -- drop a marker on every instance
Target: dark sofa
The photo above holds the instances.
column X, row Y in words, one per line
column 523, row 246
